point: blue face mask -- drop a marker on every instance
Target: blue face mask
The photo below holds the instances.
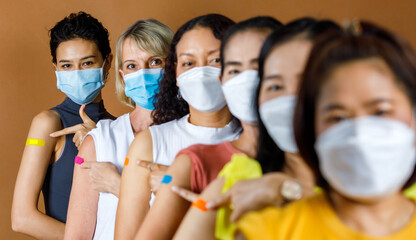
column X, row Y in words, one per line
column 142, row 86
column 81, row 86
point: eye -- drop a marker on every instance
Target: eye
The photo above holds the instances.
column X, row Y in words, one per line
column 216, row 60
column 275, row 87
column 156, row 62
column 381, row 113
column 66, row 66
column 131, row 66
column 186, row 64
column 233, row 72
column 335, row 119
column 87, row 63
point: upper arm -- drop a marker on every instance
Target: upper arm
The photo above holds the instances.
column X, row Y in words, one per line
column 35, row 162
column 83, row 202
column 168, row 208
column 135, row 188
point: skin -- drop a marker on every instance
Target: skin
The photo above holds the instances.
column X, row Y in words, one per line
column 197, row 47
column 73, row 54
column 104, row 176
column 241, row 54
column 282, row 72
column 366, row 88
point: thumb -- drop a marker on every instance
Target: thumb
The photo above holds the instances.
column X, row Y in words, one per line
column 83, row 115
column 221, row 201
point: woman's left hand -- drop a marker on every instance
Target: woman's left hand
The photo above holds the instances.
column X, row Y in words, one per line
column 103, row 176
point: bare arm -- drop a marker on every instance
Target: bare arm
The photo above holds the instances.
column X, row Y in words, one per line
column 168, row 208
column 83, row 202
column 134, row 197
column 198, row 224
column 26, row 217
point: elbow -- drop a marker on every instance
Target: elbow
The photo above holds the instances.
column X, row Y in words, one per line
column 18, row 221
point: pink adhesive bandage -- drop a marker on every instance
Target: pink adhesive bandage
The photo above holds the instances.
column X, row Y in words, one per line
column 79, row 160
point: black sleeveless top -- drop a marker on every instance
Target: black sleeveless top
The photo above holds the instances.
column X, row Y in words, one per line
column 58, row 180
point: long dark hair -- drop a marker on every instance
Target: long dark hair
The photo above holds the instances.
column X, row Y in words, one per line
column 335, row 50
column 169, row 106
column 269, row 155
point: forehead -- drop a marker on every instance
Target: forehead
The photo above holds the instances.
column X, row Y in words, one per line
column 360, row 80
column 290, row 57
column 76, row 48
column 197, row 40
column 246, row 44
column 132, row 50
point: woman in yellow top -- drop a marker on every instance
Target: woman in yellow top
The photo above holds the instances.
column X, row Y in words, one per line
column 355, row 127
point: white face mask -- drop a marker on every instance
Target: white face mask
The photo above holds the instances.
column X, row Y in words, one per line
column 201, row 88
column 240, row 93
column 367, row 157
column 277, row 116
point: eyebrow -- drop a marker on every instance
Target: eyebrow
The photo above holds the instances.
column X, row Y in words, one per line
column 84, row 58
column 333, row 106
column 377, row 101
column 274, row 76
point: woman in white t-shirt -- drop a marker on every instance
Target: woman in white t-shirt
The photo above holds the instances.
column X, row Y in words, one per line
column 140, row 58
column 191, row 107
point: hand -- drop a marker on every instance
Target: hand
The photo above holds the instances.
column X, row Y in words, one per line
column 185, row 194
column 251, row 195
column 80, row 130
column 157, row 171
column 103, row 176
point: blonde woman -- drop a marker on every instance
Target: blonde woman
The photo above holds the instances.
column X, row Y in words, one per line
column 140, row 58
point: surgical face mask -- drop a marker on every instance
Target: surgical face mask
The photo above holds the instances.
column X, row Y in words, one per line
column 277, row 116
column 240, row 93
column 142, row 86
column 368, row 157
column 201, row 88
column 81, row 86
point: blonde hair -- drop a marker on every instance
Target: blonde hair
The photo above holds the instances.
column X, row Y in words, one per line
column 151, row 36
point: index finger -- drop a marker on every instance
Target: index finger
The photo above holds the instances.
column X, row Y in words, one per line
column 144, row 164
column 65, row 131
column 185, row 194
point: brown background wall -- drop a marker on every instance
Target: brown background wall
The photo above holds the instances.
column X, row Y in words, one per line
column 27, row 79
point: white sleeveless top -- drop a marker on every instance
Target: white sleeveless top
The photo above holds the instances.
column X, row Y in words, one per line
column 112, row 139
column 171, row 137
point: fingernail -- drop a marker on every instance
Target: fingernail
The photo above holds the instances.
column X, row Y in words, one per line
column 175, row 188
column 209, row 205
column 51, row 135
column 138, row 162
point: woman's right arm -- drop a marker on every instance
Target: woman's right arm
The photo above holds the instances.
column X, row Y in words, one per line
column 135, row 195
column 26, row 217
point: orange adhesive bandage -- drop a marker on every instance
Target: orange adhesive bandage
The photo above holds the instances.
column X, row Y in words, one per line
column 200, row 204
column 126, row 162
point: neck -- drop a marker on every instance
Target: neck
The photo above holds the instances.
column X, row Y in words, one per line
column 97, row 99
column 217, row 119
column 140, row 119
column 377, row 218
column 247, row 142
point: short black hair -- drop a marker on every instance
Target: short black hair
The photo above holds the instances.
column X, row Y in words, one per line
column 269, row 155
column 168, row 105
column 260, row 23
column 336, row 50
column 79, row 25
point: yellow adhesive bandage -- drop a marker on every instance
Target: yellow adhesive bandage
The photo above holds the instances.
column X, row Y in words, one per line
column 37, row 142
